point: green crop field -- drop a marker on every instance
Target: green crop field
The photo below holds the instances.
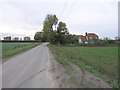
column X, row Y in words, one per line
column 11, row 48
column 101, row 61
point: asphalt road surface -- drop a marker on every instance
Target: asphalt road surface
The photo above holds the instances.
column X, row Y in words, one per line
column 27, row 70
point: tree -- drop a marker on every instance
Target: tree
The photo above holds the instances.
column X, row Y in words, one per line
column 38, row 36
column 53, row 37
column 58, row 36
column 55, row 21
column 117, row 38
column 62, row 32
column 49, row 22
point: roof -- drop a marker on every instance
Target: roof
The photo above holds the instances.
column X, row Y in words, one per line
column 87, row 36
column 92, row 35
column 26, row 37
column 83, row 38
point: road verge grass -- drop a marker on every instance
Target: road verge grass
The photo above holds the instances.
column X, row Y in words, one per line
column 100, row 61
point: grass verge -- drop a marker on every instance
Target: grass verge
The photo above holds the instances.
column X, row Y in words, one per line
column 101, row 61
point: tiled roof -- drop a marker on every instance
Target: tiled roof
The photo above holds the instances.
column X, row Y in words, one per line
column 87, row 36
column 92, row 35
column 83, row 38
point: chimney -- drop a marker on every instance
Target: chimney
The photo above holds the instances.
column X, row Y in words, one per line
column 86, row 34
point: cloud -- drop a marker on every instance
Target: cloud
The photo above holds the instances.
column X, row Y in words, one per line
column 93, row 14
column 11, row 15
column 22, row 31
column 14, row 21
column 26, row 17
column 58, row 0
column 100, row 18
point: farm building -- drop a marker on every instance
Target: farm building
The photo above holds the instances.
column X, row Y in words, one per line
column 88, row 37
column 8, row 38
column 16, row 38
column 26, row 38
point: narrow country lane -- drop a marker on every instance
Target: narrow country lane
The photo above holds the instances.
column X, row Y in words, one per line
column 27, row 70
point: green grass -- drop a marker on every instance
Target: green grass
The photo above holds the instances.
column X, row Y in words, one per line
column 101, row 61
column 12, row 48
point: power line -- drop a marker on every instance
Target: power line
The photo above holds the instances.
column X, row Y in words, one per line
column 63, row 10
column 70, row 10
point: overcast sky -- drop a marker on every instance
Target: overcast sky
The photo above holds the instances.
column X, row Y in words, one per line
column 25, row 17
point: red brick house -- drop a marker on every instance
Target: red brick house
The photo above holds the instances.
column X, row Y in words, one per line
column 88, row 37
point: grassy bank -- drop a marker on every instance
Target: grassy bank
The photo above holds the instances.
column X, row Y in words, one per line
column 101, row 61
column 12, row 48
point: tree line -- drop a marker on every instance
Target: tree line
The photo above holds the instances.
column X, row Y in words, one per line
column 55, row 32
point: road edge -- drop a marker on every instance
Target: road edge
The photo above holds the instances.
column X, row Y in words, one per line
column 56, row 73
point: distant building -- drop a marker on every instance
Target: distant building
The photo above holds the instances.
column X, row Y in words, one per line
column 16, row 38
column 88, row 37
column 117, row 38
column 20, row 39
column 8, row 38
column 27, row 38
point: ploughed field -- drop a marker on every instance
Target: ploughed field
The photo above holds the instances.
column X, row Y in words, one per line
column 101, row 61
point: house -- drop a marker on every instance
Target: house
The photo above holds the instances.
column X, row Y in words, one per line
column 82, row 39
column 20, row 39
column 89, row 37
column 26, row 38
column 16, row 38
column 8, row 38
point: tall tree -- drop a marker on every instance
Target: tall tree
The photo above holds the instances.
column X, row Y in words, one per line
column 59, row 35
column 62, row 28
column 55, row 21
column 49, row 22
column 62, row 31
